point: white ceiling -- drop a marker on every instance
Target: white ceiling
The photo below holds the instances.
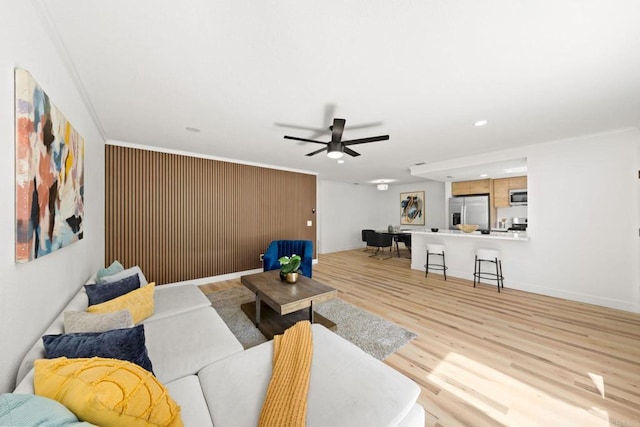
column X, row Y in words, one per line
column 421, row 71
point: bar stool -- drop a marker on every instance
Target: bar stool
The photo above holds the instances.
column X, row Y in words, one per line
column 435, row 249
column 488, row 255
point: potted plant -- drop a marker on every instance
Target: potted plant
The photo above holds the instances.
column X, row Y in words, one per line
column 289, row 268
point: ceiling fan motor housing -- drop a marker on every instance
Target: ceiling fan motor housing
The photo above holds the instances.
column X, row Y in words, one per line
column 336, row 147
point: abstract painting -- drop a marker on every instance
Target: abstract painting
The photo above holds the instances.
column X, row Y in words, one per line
column 49, row 174
column 411, row 208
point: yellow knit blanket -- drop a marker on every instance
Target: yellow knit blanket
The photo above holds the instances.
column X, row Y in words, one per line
column 286, row 402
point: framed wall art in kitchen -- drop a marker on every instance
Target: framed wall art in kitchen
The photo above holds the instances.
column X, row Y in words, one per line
column 412, row 208
column 49, row 174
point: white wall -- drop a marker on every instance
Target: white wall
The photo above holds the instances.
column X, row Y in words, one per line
column 434, row 204
column 343, row 211
column 583, row 219
column 31, row 294
column 583, row 216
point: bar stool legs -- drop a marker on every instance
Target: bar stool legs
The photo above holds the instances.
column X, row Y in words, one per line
column 492, row 256
column 438, row 250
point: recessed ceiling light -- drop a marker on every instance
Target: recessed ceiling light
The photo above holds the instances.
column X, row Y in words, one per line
column 483, row 175
column 516, row 170
column 340, row 161
column 192, row 129
column 480, row 123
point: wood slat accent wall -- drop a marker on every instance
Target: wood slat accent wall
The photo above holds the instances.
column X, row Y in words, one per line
column 182, row 218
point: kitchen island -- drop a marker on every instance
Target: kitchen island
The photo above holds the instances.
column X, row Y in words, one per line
column 460, row 250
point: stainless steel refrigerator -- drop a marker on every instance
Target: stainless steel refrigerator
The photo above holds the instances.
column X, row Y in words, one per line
column 469, row 210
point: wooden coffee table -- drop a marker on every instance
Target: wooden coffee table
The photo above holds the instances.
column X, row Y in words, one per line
column 279, row 305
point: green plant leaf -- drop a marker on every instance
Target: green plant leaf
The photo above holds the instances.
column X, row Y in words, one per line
column 283, row 260
column 295, row 263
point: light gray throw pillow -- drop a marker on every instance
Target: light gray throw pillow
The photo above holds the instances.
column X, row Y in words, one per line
column 123, row 274
column 80, row 321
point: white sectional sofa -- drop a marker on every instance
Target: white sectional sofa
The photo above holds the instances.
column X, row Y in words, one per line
column 217, row 383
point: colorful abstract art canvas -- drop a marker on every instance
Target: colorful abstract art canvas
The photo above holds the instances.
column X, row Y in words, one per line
column 411, row 208
column 49, row 174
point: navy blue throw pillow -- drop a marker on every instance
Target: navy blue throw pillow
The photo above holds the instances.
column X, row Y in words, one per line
column 124, row 344
column 101, row 293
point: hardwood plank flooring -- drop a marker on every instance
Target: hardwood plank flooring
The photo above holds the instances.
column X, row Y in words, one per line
column 484, row 358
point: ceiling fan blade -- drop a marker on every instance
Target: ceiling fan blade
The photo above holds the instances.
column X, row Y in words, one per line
column 365, row 140
column 295, row 138
column 309, row 128
column 364, row 125
column 350, row 152
column 337, row 129
column 329, row 112
column 317, row 151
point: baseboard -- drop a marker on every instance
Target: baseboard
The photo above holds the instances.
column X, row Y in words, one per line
column 220, row 278
column 630, row 306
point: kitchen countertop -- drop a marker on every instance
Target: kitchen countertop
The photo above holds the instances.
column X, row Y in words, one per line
column 495, row 235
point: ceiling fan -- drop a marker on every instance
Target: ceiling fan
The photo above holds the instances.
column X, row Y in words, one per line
column 337, row 147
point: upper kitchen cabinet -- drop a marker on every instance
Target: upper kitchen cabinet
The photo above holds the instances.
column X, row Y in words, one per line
column 501, row 192
column 466, row 188
column 518, row 183
column 501, row 189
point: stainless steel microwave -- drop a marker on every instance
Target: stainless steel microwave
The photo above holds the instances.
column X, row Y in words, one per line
column 518, row 197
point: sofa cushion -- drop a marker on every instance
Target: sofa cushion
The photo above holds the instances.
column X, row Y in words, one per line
column 348, row 386
column 114, row 268
column 172, row 300
column 183, row 344
column 107, row 392
column 415, row 417
column 123, row 344
column 81, row 321
column 77, row 303
column 187, row 393
column 32, row 410
column 124, row 273
column 139, row 302
column 100, row 293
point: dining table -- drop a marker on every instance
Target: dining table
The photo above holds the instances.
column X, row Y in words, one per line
column 396, row 237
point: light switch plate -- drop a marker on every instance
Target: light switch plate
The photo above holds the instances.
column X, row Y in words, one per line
column 309, row 223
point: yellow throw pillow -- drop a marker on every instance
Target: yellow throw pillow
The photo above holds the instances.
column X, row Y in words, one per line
column 107, row 392
column 138, row 302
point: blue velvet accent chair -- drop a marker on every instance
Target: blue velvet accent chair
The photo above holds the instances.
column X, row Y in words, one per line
column 280, row 248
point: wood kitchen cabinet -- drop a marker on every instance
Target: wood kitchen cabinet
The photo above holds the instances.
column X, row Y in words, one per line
column 466, row 188
column 501, row 192
column 517, row 182
column 501, row 189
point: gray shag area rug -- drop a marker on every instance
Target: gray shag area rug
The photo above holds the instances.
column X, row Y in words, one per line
column 371, row 333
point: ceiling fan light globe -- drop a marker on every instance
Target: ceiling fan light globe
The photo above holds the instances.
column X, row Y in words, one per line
column 334, row 154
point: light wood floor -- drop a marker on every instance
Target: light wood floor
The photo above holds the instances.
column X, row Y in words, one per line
column 489, row 359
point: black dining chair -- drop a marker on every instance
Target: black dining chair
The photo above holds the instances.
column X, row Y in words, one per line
column 380, row 241
column 365, row 235
column 407, row 242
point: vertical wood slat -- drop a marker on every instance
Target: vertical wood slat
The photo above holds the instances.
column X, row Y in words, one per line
column 182, row 218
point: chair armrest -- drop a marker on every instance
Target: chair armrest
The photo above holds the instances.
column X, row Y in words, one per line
column 270, row 259
column 307, row 259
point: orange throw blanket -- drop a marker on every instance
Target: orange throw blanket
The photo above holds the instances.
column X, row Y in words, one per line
column 286, row 402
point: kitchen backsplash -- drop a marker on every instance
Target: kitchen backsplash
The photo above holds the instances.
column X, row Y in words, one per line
column 510, row 212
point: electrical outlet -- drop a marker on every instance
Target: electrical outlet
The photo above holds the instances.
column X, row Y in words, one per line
column 261, row 257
